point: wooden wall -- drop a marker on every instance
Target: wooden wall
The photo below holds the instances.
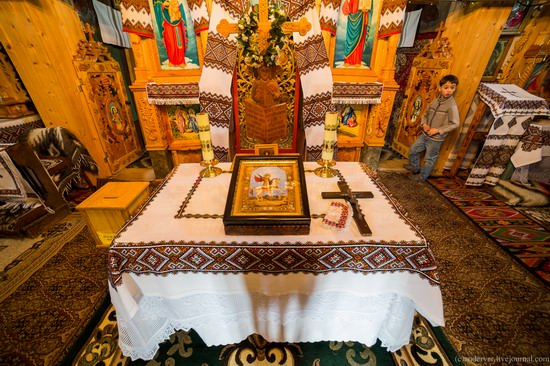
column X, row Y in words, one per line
column 41, row 38
column 473, row 31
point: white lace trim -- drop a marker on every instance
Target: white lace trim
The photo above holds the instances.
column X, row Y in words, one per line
column 173, row 101
column 352, row 100
column 226, row 319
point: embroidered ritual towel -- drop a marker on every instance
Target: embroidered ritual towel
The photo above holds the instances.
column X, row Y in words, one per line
column 328, row 16
column 391, row 17
column 534, row 144
column 172, row 94
column 217, row 74
column 199, row 14
column 357, row 93
column 314, row 70
column 338, row 216
column 511, row 100
column 136, row 17
column 499, row 147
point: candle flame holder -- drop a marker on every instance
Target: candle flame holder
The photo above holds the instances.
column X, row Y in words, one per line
column 210, row 170
column 325, row 171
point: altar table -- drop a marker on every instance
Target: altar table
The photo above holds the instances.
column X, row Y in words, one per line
column 513, row 109
column 172, row 267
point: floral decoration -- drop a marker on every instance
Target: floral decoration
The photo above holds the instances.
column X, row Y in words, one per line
column 248, row 39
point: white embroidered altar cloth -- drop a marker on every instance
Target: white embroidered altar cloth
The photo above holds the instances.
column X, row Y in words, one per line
column 513, row 109
column 172, row 267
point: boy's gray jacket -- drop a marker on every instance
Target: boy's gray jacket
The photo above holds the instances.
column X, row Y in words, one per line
column 443, row 115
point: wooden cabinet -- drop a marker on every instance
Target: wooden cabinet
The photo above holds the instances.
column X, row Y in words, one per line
column 110, row 207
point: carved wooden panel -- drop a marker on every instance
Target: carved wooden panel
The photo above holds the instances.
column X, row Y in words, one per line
column 104, row 90
column 379, row 118
column 13, row 97
column 288, row 85
column 153, row 123
column 433, row 62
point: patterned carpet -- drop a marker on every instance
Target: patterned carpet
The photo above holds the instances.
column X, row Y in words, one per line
column 494, row 307
column 520, row 234
column 43, row 315
column 22, row 257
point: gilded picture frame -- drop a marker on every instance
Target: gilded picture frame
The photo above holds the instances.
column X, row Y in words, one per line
column 267, row 195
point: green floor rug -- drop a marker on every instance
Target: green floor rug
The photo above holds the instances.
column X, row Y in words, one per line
column 187, row 348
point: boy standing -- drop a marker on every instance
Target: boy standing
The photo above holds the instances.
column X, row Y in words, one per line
column 440, row 118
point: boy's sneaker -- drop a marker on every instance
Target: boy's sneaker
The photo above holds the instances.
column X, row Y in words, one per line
column 418, row 178
column 410, row 168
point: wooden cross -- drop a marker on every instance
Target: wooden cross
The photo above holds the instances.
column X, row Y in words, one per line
column 347, row 194
column 89, row 32
column 264, row 26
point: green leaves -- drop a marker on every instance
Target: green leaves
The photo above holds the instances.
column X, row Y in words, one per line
column 248, row 39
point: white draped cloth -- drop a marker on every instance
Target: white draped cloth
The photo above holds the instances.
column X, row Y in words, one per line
column 533, row 147
column 173, row 267
column 513, row 109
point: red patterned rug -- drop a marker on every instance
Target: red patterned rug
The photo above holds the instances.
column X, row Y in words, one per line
column 521, row 236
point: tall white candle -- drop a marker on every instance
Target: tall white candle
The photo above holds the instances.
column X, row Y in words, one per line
column 204, row 135
column 329, row 138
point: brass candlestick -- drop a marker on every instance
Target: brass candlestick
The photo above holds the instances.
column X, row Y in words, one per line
column 325, row 171
column 210, row 171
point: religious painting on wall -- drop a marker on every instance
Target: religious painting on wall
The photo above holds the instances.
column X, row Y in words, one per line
column 517, row 20
column 351, row 119
column 497, row 59
column 538, row 83
column 182, row 120
column 356, row 34
column 175, row 35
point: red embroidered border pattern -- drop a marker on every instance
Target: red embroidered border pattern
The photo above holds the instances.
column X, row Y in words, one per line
column 357, row 90
column 270, row 258
column 154, row 90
